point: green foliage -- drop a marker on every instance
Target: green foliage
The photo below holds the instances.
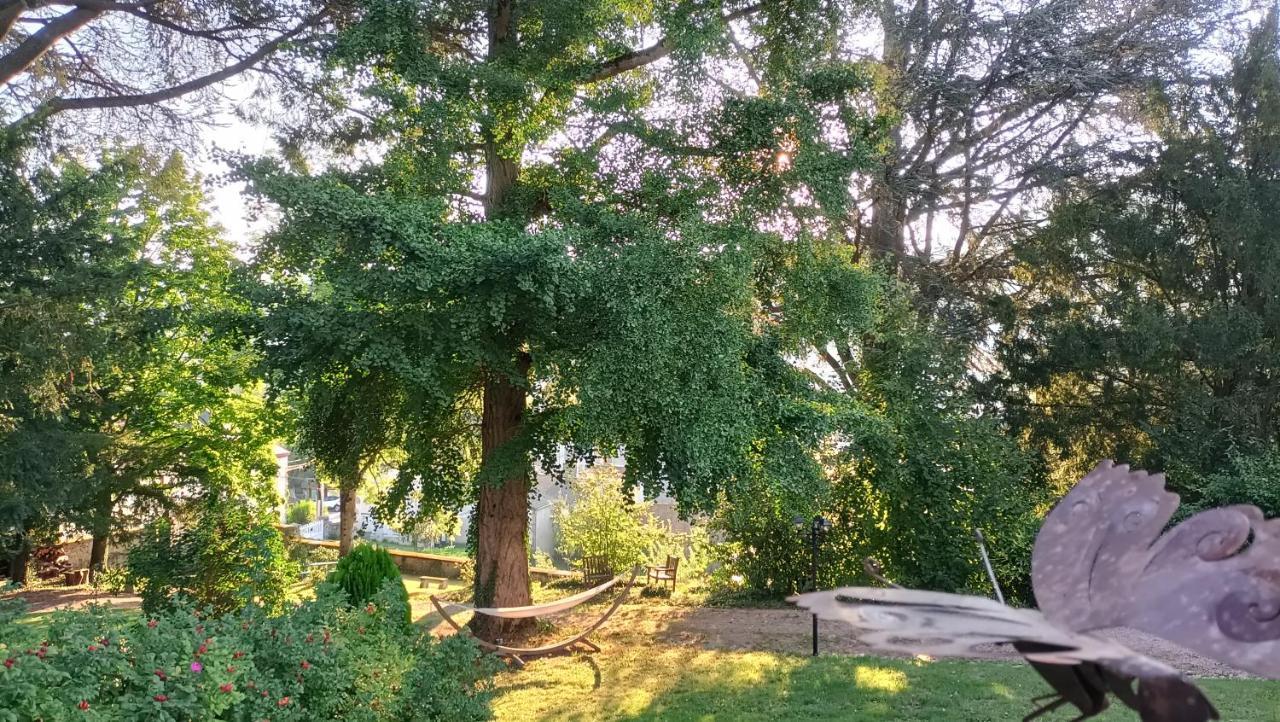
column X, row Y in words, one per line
column 364, row 571
column 229, row 555
column 600, row 520
column 905, row 473
column 322, row 659
column 111, row 580
column 120, row 383
column 302, row 512
column 1150, row 331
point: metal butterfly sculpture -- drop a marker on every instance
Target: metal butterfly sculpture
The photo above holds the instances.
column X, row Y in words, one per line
column 1103, row 559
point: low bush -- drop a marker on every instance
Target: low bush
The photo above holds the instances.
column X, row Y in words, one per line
column 364, row 571
column 324, row 659
column 229, row 555
column 302, row 512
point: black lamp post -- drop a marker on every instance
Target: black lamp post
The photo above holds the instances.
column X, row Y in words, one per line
column 818, row 528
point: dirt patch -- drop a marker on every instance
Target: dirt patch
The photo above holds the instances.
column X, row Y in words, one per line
column 48, row 600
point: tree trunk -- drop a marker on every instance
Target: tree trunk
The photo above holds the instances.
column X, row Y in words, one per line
column 347, row 516
column 19, row 562
column 101, row 540
column 502, row 514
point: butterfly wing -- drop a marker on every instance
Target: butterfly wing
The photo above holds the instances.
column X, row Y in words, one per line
column 1081, row 668
column 1101, row 560
column 911, row 621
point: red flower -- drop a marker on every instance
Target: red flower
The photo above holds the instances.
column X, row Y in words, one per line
column 84, row 704
column 306, row 664
column 203, row 648
column 161, row 698
column 237, row 655
column 369, row 608
column 230, row 669
column 93, row 647
column 264, row 693
column 160, row 673
column 284, row 702
column 41, row 652
column 226, row 687
column 310, row 638
column 8, row 663
column 151, row 624
column 106, row 642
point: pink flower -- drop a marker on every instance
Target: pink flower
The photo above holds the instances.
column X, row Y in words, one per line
column 284, row 702
column 151, row 624
column 197, row 667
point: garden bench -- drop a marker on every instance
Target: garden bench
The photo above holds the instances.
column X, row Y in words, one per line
column 519, row 654
column 426, row 582
column 595, row 570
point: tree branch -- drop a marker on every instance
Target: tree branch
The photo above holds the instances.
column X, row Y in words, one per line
column 57, row 105
column 653, row 53
column 39, row 42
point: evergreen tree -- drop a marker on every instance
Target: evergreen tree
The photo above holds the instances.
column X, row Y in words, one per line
column 1148, row 327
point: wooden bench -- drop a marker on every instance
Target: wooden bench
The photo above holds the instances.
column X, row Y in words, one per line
column 427, row 582
column 595, row 570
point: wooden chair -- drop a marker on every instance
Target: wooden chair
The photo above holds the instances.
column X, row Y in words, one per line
column 595, row 570
column 665, row 575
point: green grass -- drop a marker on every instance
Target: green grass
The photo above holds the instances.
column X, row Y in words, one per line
column 674, row 683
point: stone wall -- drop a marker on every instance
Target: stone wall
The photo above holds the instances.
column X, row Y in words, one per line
column 439, row 565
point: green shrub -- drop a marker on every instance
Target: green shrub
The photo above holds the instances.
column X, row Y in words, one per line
column 229, row 555
column 301, row 513
column 111, row 580
column 322, row 660
column 602, row 521
column 364, row 571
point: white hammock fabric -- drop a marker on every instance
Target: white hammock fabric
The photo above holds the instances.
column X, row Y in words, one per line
column 540, row 610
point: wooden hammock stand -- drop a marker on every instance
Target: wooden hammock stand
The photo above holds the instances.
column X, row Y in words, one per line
column 519, row 654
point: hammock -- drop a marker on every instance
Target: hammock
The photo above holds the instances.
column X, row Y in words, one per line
column 518, row 653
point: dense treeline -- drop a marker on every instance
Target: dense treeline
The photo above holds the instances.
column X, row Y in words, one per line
column 913, row 267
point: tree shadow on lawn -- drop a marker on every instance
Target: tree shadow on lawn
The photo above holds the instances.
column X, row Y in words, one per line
column 657, row 682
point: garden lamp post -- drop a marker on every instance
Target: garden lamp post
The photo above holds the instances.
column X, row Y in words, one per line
column 818, row 528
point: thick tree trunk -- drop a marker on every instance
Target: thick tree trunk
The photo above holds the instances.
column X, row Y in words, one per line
column 502, row 515
column 101, row 539
column 98, row 554
column 19, row 562
column 346, row 516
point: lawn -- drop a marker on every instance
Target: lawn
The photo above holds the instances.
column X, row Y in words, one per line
column 674, row 683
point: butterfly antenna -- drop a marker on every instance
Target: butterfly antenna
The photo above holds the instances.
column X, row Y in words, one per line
column 986, row 562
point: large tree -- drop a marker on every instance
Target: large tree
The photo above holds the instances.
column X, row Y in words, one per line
column 1146, row 323
column 563, row 233
column 120, row 388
